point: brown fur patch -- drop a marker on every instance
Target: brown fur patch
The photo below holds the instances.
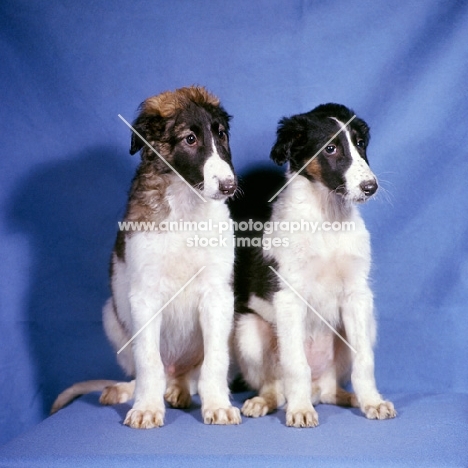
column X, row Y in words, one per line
column 168, row 103
column 314, row 170
column 147, row 195
column 163, row 148
column 146, row 203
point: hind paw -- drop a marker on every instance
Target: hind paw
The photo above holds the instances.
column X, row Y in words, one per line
column 118, row 393
column 255, row 407
column 178, row 397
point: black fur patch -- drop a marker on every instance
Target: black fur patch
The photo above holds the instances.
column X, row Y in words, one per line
column 253, row 276
column 206, row 127
column 119, row 247
column 302, row 136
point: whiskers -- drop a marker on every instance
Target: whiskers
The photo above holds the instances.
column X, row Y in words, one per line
column 200, row 186
column 340, row 190
column 239, row 193
column 384, row 192
column 336, row 203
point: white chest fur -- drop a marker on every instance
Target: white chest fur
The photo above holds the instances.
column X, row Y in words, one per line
column 163, row 260
column 326, row 264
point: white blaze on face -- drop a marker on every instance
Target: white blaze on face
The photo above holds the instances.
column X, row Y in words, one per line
column 215, row 171
column 358, row 172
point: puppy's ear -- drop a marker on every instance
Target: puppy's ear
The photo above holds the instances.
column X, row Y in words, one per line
column 363, row 129
column 136, row 142
column 290, row 136
column 148, row 127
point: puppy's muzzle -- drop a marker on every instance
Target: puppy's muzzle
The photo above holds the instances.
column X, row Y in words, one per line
column 227, row 187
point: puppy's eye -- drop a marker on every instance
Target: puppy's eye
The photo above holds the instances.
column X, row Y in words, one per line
column 191, row 139
column 330, row 149
column 361, row 143
column 222, row 134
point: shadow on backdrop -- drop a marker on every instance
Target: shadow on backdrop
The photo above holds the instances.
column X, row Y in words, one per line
column 69, row 210
column 257, row 185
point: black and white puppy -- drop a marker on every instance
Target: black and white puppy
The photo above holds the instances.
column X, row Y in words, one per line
column 180, row 335
column 308, row 325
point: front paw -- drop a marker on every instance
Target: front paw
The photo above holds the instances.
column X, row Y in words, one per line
column 379, row 410
column 229, row 415
column 306, row 417
column 144, row 419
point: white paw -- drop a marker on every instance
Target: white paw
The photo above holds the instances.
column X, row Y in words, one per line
column 255, row 407
column 307, row 417
column 229, row 415
column 144, row 419
column 379, row 410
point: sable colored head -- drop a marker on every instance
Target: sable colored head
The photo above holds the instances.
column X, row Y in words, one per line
column 190, row 130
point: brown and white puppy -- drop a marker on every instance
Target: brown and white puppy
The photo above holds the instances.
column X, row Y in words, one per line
column 180, row 334
column 285, row 338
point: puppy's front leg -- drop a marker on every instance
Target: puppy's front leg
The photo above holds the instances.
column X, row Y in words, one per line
column 290, row 322
column 216, row 319
column 359, row 322
column 148, row 409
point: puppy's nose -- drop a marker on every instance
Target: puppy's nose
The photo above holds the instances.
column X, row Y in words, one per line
column 369, row 187
column 227, row 187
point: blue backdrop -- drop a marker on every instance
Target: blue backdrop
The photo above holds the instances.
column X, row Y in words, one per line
column 69, row 68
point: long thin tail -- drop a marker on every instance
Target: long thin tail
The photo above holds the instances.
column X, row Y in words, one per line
column 78, row 389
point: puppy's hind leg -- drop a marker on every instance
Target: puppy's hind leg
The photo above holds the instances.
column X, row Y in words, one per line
column 330, row 393
column 178, row 392
column 255, row 345
column 119, row 392
column 329, row 386
column 118, row 336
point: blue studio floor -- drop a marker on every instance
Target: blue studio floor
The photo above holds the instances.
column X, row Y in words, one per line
column 430, row 430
